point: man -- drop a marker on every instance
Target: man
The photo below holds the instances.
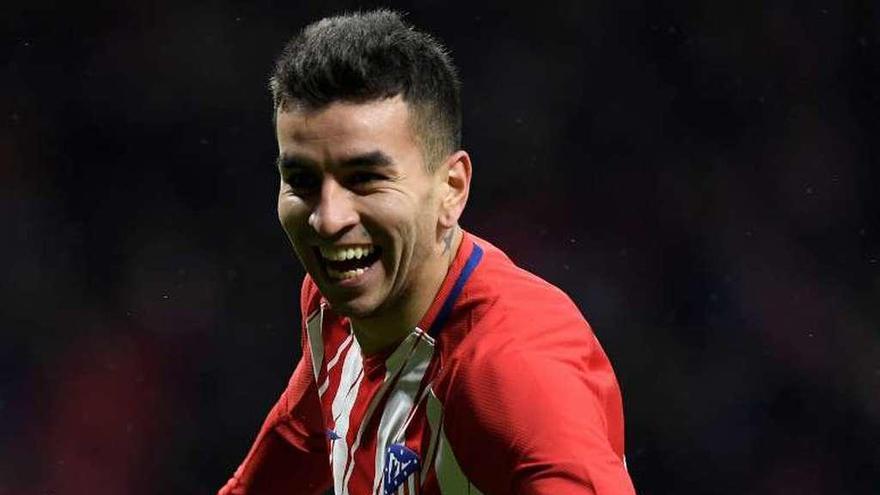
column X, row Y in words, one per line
column 431, row 363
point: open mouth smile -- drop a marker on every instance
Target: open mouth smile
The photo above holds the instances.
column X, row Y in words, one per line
column 349, row 261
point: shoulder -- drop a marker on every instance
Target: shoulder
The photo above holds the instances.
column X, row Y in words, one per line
column 499, row 275
column 530, row 380
column 511, row 320
column 514, row 309
column 525, row 338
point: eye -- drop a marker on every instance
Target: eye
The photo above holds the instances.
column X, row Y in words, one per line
column 364, row 178
column 303, row 182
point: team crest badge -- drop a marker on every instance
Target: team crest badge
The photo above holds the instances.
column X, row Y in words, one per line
column 402, row 469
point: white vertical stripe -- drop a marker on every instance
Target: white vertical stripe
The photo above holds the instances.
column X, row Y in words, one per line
column 352, row 375
column 402, row 397
column 394, row 364
column 339, row 352
column 324, row 386
column 434, row 413
column 374, row 401
column 342, row 347
column 314, row 325
column 450, row 477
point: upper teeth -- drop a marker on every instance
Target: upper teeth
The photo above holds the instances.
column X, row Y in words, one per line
column 341, row 253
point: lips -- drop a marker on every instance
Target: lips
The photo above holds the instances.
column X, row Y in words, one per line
column 348, row 261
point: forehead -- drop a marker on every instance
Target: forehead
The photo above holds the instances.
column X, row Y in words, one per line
column 345, row 127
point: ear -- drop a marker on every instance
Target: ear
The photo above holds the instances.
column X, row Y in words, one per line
column 456, row 177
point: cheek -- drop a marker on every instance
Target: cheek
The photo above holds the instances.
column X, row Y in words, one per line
column 291, row 212
column 400, row 216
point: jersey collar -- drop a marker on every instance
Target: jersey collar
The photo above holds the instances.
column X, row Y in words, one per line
column 466, row 260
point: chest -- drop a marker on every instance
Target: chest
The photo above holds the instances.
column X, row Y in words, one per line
column 383, row 421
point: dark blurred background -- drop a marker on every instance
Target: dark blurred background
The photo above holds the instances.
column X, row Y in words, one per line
column 701, row 177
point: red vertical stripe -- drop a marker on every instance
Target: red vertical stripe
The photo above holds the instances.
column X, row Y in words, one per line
column 364, row 457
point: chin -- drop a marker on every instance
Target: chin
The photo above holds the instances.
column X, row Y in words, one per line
column 352, row 309
column 357, row 307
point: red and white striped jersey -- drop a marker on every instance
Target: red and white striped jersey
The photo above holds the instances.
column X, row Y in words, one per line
column 502, row 388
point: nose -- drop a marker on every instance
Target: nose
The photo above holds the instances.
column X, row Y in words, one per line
column 334, row 212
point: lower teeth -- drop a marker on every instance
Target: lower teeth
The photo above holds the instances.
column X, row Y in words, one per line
column 346, row 274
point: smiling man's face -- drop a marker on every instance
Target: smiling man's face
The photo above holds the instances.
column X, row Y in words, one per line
column 358, row 203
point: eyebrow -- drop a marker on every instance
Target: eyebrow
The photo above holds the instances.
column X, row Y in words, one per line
column 373, row 159
column 293, row 161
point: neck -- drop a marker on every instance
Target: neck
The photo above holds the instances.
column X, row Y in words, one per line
column 379, row 333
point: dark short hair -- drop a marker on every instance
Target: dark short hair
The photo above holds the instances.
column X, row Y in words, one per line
column 372, row 55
